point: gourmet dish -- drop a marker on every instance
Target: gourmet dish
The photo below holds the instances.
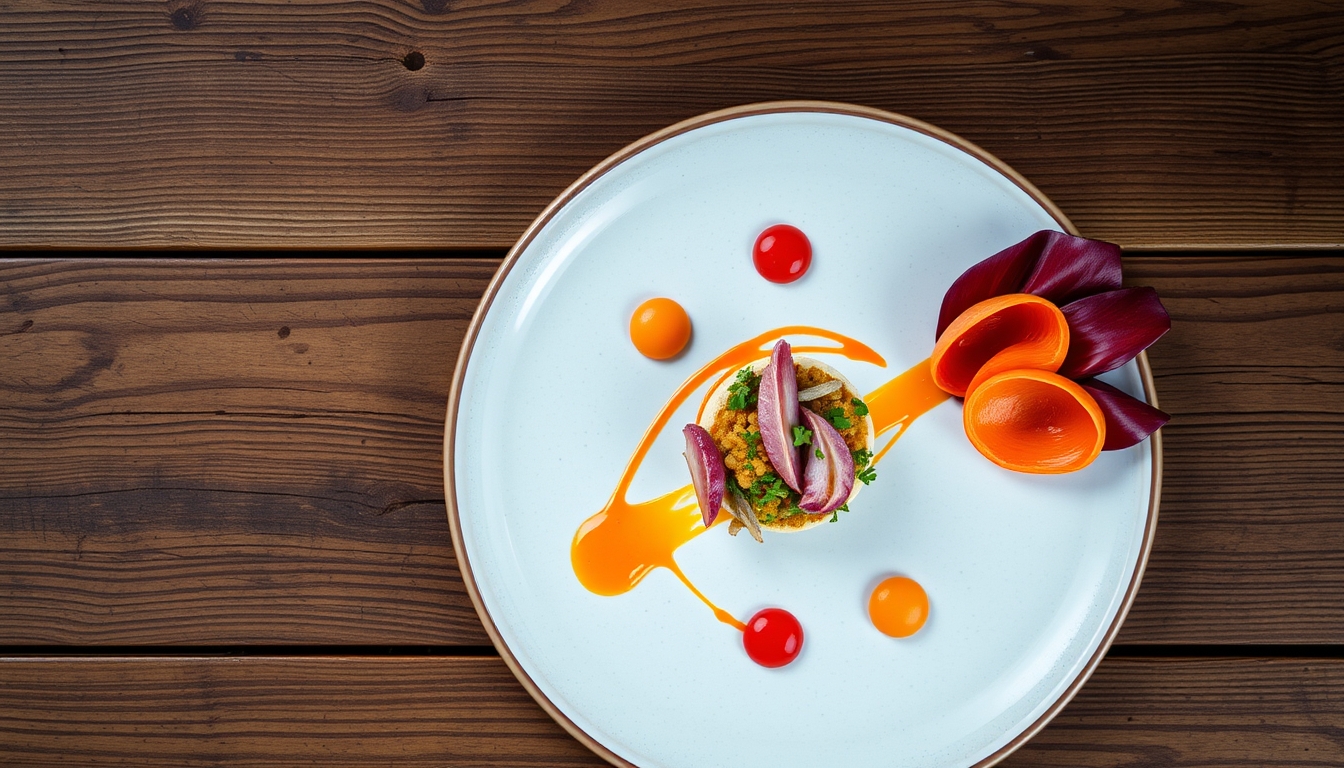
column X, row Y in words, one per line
column 784, row 443
column 795, row 441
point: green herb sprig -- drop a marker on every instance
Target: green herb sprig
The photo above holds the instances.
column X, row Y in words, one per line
column 743, row 391
column 837, row 418
column 750, row 438
column 863, row 469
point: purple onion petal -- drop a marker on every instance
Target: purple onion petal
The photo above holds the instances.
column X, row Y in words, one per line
column 777, row 415
column 1107, row 330
column 1070, row 268
column 707, row 473
column 1128, row 420
column 1004, row 272
column 828, row 480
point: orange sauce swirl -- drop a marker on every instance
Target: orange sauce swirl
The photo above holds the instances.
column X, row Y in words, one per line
column 896, row 404
column 618, row 546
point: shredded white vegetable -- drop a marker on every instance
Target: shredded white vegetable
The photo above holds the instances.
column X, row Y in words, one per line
column 821, row 390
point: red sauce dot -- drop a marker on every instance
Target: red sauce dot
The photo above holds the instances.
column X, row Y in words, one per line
column 782, row 253
column 773, row 637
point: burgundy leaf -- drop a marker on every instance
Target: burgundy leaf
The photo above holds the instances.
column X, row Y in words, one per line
column 1109, row 329
column 1128, row 421
column 708, row 476
column 828, row 479
column 777, row 415
column 1004, row 272
column 1070, row 268
column 1052, row 265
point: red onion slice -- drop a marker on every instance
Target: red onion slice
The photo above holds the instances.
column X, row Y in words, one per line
column 777, row 415
column 828, row 480
column 707, row 473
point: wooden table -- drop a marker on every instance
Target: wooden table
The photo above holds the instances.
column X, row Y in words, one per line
column 222, row 528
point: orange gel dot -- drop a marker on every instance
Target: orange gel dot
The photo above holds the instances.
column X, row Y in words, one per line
column 898, row 607
column 660, row 328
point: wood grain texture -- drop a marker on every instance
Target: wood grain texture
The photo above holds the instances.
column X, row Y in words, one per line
column 1154, row 713
column 1138, row 713
column 253, row 711
column 250, row 452
column 196, row 123
column 219, row 452
column 1250, row 543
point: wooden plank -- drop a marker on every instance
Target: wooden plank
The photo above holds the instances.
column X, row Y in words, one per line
column 1198, row 712
column 307, row 124
column 230, row 452
column 471, row 712
column 1250, row 543
column 467, row 712
column 249, row 452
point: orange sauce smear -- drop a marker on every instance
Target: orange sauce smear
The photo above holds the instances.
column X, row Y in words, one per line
column 616, row 548
column 896, row 404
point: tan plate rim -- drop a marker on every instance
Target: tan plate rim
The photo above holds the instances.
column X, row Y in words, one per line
column 764, row 108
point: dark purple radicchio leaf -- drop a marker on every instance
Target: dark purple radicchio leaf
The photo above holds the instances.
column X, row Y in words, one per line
column 1071, row 267
column 1053, row 265
column 1107, row 330
column 1002, row 273
column 1128, row 421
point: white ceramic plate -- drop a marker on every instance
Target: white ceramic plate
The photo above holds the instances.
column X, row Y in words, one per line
column 1028, row 576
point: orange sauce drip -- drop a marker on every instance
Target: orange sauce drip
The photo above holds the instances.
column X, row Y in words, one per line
column 896, row 404
column 616, row 548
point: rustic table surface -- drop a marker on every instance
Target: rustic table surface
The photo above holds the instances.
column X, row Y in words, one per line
column 222, row 523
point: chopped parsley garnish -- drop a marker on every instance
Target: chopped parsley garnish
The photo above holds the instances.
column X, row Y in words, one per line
column 802, row 436
column 860, row 407
column 837, row 418
column 862, row 468
column 842, row 508
column 820, row 455
column 767, row 488
column 751, row 438
column 742, row 392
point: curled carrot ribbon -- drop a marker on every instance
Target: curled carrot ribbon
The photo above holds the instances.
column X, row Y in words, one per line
column 1020, row 336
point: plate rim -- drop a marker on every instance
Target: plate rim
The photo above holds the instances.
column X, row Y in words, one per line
column 633, row 149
